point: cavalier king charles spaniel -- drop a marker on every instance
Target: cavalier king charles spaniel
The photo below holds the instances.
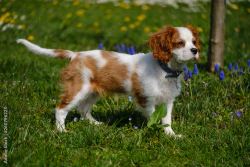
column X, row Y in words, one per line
column 152, row 78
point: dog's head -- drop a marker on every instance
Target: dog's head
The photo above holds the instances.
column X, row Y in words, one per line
column 180, row 43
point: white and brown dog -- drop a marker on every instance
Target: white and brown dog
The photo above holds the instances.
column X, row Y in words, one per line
column 151, row 78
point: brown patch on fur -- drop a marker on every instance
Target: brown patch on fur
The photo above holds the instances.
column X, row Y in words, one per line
column 109, row 78
column 72, row 82
column 161, row 43
column 196, row 39
column 60, row 53
column 137, row 90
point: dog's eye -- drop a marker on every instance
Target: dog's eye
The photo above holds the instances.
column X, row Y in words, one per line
column 194, row 42
column 181, row 43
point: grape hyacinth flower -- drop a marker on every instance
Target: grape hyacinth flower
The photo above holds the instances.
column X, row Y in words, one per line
column 236, row 67
column 123, row 48
column 196, row 70
column 241, row 71
column 190, row 75
column 248, row 63
column 239, row 114
column 100, row 46
column 230, row 66
column 216, row 68
column 222, row 75
column 185, row 70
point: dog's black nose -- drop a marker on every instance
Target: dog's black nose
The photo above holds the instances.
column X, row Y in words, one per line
column 194, row 51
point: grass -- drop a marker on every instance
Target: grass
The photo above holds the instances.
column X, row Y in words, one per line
column 213, row 115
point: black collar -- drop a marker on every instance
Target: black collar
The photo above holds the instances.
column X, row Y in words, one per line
column 170, row 72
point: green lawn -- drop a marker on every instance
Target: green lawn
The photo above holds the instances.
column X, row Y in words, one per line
column 212, row 114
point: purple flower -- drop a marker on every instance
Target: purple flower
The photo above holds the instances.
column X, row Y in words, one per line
column 216, row 68
column 185, row 68
column 123, row 48
column 230, row 66
column 190, row 75
column 100, row 46
column 239, row 114
column 131, row 50
column 241, row 71
column 196, row 70
column 248, row 63
column 236, row 67
column 222, row 75
column 118, row 48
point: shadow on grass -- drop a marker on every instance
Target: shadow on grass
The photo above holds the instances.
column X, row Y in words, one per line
column 119, row 118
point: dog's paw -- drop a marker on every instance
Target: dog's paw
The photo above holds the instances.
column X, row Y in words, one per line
column 169, row 131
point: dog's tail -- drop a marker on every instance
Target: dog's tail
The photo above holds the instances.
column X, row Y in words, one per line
column 58, row 53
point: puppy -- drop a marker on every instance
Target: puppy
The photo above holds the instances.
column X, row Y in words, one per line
column 152, row 78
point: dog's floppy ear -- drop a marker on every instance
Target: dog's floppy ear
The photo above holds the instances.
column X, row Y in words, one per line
column 161, row 44
column 196, row 36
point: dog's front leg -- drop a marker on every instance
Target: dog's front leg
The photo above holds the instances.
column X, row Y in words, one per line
column 167, row 120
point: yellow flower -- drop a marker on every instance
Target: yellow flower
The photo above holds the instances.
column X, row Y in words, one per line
column 124, row 5
column 146, row 29
column 141, row 17
column 132, row 26
column 127, row 19
column 123, row 29
column 96, row 24
column 145, row 7
column 69, row 15
column 233, row 6
column 79, row 25
column 248, row 10
column 80, row 12
column 199, row 29
column 4, row 17
column 30, row 37
column 55, row 2
column 76, row 2
column 21, row 27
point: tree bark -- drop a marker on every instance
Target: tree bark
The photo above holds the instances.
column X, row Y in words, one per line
column 216, row 41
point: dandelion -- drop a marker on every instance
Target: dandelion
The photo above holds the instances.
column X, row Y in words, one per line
column 132, row 26
column 79, row 25
column 127, row 19
column 141, row 17
column 31, row 38
column 199, row 29
column 145, row 7
column 216, row 68
column 230, row 66
column 222, row 75
column 146, row 29
column 196, row 70
column 123, row 29
column 80, row 12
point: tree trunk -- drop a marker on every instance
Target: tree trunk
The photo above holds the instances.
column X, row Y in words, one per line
column 216, row 41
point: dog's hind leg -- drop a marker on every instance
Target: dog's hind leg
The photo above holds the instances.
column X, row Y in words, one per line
column 69, row 102
column 85, row 107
